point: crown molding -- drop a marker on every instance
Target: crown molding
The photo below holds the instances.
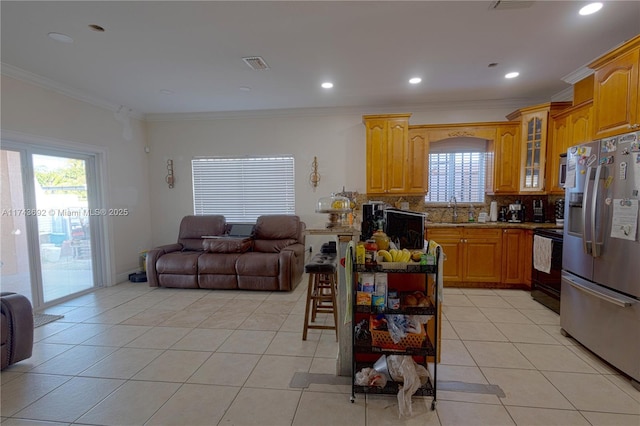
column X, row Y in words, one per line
column 578, row 75
column 47, row 83
column 333, row 111
column 564, row 95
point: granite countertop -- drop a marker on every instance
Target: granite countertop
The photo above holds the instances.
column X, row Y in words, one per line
column 523, row 225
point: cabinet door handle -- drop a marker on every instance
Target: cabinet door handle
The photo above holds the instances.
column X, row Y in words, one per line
column 634, row 126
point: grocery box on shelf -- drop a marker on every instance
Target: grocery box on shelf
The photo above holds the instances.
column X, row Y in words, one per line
column 382, row 339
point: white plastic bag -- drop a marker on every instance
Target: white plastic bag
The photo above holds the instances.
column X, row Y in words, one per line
column 370, row 377
column 405, row 370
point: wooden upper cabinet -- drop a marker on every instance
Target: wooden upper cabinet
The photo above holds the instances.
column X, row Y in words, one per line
column 558, row 143
column 580, row 124
column 397, row 157
column 616, row 108
column 504, row 174
column 376, row 151
column 534, row 130
column 571, row 127
column 418, row 167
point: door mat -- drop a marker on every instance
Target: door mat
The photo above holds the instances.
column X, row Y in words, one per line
column 471, row 388
column 42, row 319
column 303, row 380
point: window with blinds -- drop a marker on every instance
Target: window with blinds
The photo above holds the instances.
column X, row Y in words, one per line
column 457, row 168
column 243, row 188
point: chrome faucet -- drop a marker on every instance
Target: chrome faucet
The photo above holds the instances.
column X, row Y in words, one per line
column 455, row 208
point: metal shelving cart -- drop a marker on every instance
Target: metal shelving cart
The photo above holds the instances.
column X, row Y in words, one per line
column 365, row 350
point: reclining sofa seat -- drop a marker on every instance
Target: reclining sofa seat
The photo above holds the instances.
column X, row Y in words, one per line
column 176, row 265
column 277, row 259
column 272, row 260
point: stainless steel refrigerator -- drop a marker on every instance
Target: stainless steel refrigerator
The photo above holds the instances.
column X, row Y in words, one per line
column 600, row 290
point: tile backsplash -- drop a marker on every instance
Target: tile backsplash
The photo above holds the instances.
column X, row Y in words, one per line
column 440, row 212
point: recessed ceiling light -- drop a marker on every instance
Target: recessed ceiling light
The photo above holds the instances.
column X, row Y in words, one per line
column 60, row 37
column 512, row 74
column 493, row 64
column 415, row 80
column 327, row 85
column 96, row 28
column 245, row 88
column 590, row 8
column 166, row 92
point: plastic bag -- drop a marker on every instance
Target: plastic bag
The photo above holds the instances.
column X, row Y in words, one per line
column 370, row 377
column 404, row 369
column 400, row 325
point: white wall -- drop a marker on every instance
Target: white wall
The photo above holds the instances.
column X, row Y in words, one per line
column 44, row 116
column 337, row 140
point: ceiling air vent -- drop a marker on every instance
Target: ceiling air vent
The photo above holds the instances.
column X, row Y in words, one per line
column 256, row 63
column 510, row 4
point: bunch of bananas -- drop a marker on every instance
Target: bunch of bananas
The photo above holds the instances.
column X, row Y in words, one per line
column 394, row 255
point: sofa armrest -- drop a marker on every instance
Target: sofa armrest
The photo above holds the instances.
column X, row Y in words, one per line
column 152, row 258
column 18, row 312
column 291, row 265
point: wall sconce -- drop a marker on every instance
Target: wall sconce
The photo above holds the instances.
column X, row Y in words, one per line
column 314, row 177
column 169, row 178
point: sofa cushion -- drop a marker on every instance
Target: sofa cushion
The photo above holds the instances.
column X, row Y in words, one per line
column 227, row 245
column 272, row 246
column 193, row 228
column 181, row 262
column 218, row 263
column 258, row 264
column 277, row 227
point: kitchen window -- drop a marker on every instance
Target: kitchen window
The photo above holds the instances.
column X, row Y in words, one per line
column 243, row 188
column 457, row 168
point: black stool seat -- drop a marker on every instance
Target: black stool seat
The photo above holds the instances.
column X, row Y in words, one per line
column 323, row 263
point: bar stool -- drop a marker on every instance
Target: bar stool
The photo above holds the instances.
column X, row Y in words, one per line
column 321, row 291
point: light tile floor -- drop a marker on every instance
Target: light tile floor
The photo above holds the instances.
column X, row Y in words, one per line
column 134, row 355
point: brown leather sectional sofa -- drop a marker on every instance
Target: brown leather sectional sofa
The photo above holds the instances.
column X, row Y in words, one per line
column 272, row 259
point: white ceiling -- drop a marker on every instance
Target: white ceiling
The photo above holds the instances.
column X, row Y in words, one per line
column 368, row 49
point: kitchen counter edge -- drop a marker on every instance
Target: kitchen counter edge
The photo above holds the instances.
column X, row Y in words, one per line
column 500, row 225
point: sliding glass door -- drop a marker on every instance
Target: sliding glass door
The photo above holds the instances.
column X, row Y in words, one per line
column 14, row 250
column 50, row 246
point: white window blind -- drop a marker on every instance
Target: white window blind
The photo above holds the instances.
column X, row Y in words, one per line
column 243, row 188
column 459, row 174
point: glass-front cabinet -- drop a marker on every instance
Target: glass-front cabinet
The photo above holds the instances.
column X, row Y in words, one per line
column 534, row 129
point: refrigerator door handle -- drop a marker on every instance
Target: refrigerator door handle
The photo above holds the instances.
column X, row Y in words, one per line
column 586, row 245
column 595, row 248
column 623, row 303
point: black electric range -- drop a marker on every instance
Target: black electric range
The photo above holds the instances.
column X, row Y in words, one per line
column 545, row 287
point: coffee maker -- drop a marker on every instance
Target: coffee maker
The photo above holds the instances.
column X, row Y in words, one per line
column 372, row 214
column 538, row 211
column 516, row 212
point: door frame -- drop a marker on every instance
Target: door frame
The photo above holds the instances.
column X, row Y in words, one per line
column 97, row 176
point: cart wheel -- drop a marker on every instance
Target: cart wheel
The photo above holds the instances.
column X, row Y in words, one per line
column 352, row 399
column 433, row 405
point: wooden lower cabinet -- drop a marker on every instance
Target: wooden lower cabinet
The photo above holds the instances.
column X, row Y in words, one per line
column 491, row 257
column 450, row 239
column 517, row 245
column 472, row 255
column 482, row 255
